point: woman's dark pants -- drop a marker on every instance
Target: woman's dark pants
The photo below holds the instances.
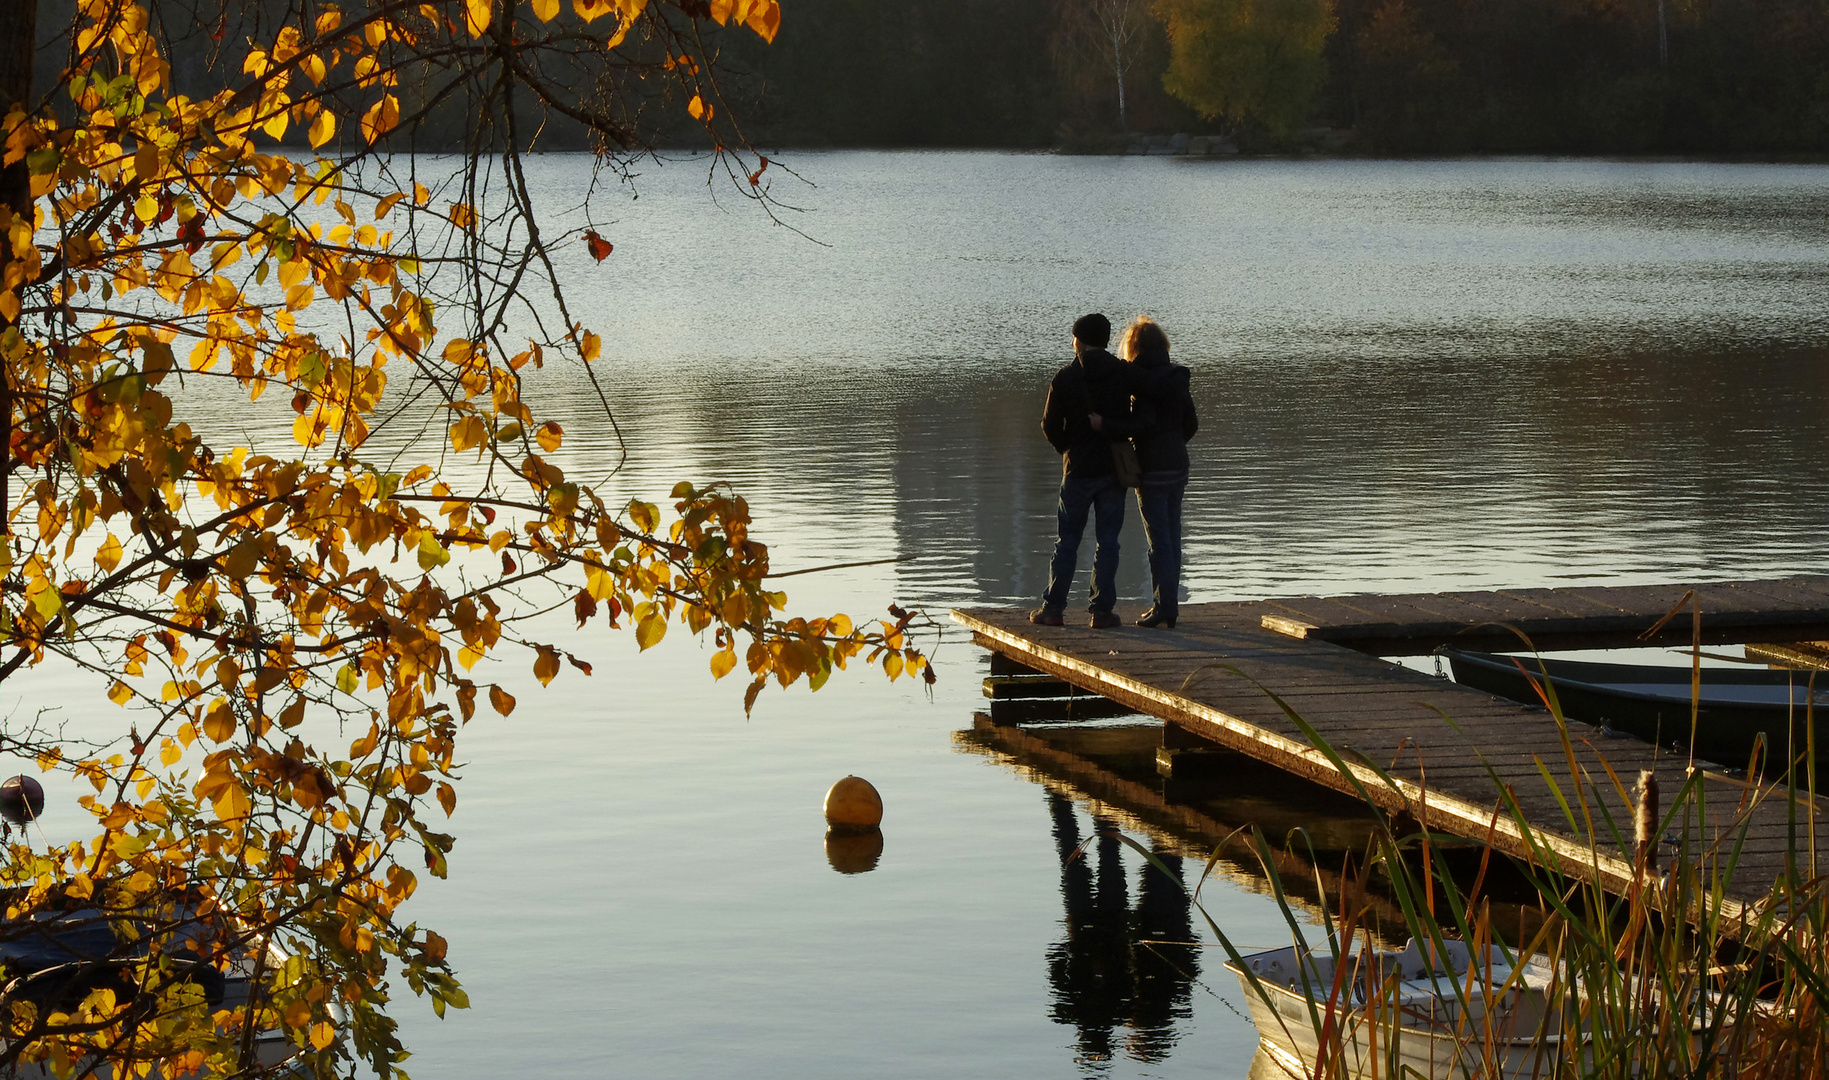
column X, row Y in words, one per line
column 1159, row 501
column 1103, row 497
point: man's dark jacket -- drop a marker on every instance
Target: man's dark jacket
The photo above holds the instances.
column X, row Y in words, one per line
column 1096, row 382
column 1163, row 417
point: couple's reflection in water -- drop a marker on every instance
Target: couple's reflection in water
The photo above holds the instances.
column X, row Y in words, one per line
column 1124, row 971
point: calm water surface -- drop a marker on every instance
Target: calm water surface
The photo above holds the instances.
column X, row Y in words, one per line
column 1410, row 375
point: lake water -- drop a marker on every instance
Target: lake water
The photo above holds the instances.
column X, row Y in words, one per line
column 1411, row 376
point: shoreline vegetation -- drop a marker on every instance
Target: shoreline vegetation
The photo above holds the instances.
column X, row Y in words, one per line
column 1669, row 978
column 1372, row 78
column 1403, row 76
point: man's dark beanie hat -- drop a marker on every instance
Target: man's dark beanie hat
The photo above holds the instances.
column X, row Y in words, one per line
column 1092, row 329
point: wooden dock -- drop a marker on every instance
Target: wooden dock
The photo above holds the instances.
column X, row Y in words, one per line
column 1215, row 675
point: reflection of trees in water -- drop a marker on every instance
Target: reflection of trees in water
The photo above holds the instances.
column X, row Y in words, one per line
column 1104, row 974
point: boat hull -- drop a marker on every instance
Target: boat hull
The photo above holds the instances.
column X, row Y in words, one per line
column 1737, row 709
column 1369, row 1047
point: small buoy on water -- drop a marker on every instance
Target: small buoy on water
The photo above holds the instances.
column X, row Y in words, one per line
column 21, row 799
column 853, row 804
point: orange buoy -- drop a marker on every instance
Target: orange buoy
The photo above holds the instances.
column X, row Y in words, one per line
column 854, row 804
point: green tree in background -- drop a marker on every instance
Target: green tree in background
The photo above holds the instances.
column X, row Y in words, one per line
column 1250, row 62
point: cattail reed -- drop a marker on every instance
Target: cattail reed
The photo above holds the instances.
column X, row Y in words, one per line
column 1645, row 821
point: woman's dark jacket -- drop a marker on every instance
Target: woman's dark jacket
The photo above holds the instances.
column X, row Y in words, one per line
column 1162, row 413
column 1096, row 382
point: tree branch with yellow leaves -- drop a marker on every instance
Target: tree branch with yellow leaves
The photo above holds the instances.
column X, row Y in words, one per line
column 222, row 198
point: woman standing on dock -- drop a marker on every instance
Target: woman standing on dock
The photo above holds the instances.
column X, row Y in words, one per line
column 1163, row 420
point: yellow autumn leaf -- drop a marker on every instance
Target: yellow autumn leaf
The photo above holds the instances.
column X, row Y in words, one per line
column 549, row 436
column 309, row 429
column 382, row 117
column 323, row 1033
column 219, row 722
column 120, row 693
column 432, row 554
column 546, row 10
column 146, row 161
column 696, row 107
column 108, row 556
column 650, row 630
column 230, row 802
column 323, row 129
column 468, row 432
column 546, row 666
column 477, row 16
column 722, row 662
column 150, row 77
column 277, row 115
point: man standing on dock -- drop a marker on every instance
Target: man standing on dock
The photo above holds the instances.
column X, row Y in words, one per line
column 1096, row 382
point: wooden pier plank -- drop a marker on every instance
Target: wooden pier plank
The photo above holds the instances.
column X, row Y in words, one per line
column 1810, row 589
column 1569, row 602
column 1588, row 616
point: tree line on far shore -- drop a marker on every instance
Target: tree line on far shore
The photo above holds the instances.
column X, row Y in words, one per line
column 1405, row 76
column 1723, row 77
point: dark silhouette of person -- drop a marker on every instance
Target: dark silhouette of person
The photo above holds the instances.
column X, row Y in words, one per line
column 1160, row 424
column 1096, row 383
column 1119, row 966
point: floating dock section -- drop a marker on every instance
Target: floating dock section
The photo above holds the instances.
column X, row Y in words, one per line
column 1452, row 757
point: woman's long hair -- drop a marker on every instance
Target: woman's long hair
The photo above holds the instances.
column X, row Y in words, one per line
column 1143, row 334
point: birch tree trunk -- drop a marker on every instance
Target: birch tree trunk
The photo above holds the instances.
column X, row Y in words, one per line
column 1115, row 19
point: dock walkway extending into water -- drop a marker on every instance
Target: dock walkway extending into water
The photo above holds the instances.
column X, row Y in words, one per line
column 1445, row 747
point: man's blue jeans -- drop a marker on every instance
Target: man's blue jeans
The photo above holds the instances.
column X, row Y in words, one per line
column 1103, row 496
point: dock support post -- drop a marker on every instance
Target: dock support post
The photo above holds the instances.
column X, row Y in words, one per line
column 1185, row 755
